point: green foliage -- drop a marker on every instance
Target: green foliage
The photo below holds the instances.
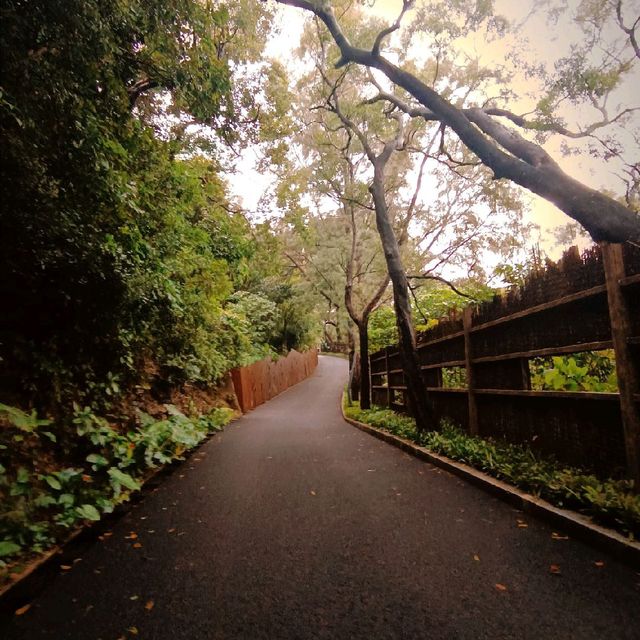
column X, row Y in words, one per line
column 432, row 303
column 116, row 249
column 611, row 502
column 383, row 331
column 26, row 422
column 39, row 506
column 454, row 377
column 585, row 371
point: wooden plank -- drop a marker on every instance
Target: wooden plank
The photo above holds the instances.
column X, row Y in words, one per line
column 451, row 336
column 566, row 395
column 552, row 304
column 629, row 280
column 439, row 365
column 389, row 392
column 626, row 366
column 467, row 322
column 445, row 390
column 550, row 351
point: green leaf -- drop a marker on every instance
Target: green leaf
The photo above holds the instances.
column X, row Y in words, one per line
column 97, row 460
column 66, row 499
column 8, row 548
column 124, row 479
column 53, row 482
column 88, row 512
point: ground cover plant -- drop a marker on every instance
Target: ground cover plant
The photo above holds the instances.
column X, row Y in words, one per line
column 608, row 502
column 54, row 477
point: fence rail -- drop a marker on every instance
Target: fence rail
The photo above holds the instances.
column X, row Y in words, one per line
column 585, row 302
column 265, row 379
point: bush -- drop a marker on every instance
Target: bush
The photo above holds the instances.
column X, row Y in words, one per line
column 43, row 497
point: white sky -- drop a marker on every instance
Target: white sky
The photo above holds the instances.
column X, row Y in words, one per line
column 248, row 185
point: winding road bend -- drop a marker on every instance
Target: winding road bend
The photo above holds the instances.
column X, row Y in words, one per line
column 294, row 525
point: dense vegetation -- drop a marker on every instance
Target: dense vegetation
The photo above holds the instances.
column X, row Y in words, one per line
column 125, row 268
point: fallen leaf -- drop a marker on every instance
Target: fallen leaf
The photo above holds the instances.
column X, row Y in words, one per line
column 107, row 534
column 313, row 493
column 133, row 631
column 23, row 610
column 149, row 605
column 97, row 571
column 500, row 587
column 476, row 557
column 65, row 567
column 137, row 545
column 555, row 569
column 599, row 563
column 170, row 530
column 77, row 560
column 131, row 536
column 134, row 597
column 522, row 525
column 557, row 536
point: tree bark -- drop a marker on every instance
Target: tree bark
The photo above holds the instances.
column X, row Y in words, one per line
column 416, row 388
column 365, row 373
column 354, row 368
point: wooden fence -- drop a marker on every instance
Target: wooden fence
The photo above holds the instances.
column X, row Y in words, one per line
column 584, row 302
column 265, row 379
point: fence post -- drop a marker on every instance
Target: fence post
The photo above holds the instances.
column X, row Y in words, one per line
column 386, row 364
column 471, row 396
column 627, row 370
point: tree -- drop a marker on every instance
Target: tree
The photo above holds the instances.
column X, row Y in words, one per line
column 378, row 147
column 119, row 251
column 502, row 149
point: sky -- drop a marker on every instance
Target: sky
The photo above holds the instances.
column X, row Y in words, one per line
column 546, row 45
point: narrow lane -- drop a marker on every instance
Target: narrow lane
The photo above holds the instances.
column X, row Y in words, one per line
column 294, row 525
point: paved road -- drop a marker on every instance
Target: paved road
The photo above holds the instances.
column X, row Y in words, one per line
column 294, row 525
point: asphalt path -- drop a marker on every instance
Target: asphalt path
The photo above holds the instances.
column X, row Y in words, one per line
column 292, row 525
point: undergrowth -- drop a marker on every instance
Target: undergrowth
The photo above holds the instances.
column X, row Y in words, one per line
column 609, row 502
column 42, row 498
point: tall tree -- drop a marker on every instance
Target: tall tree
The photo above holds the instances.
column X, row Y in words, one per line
column 502, row 149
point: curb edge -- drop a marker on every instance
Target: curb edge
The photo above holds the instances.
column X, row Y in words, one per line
column 578, row 525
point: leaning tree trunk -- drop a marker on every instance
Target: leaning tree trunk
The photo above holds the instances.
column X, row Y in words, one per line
column 365, row 374
column 416, row 388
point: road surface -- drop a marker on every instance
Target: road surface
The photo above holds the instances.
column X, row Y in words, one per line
column 294, row 525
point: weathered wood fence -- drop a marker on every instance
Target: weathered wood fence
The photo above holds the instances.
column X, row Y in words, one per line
column 265, row 379
column 584, row 302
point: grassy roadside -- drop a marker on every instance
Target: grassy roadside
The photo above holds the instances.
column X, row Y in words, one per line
column 608, row 502
column 55, row 477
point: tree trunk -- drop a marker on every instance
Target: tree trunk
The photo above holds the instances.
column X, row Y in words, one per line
column 365, row 375
column 354, row 367
column 416, row 388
